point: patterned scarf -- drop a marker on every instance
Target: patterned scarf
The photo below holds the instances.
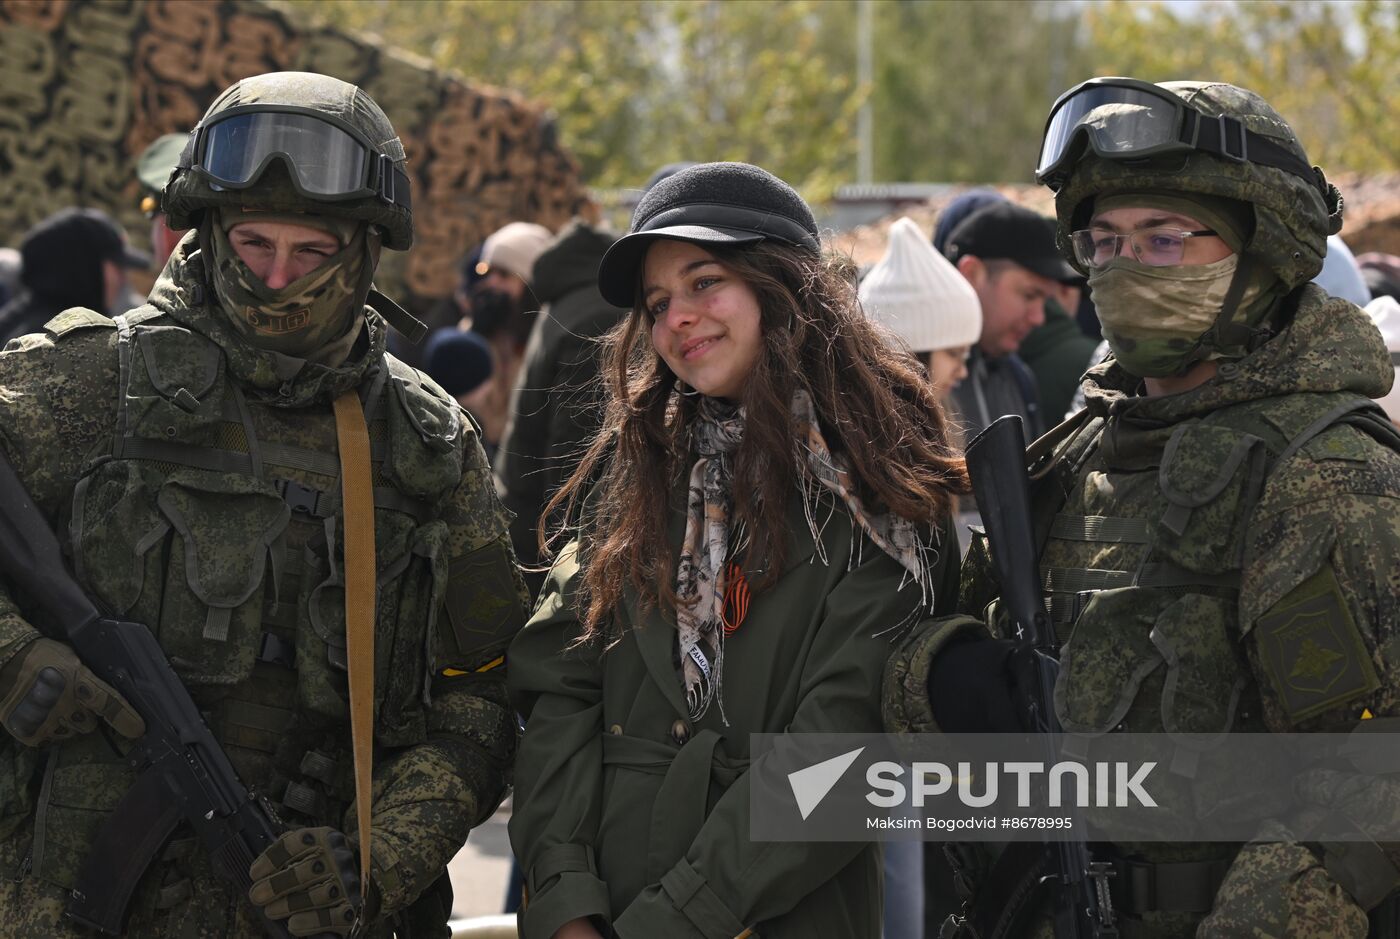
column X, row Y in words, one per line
column 701, row 574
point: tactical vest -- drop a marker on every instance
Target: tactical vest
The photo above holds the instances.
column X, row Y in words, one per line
column 1141, row 567
column 1141, row 562
column 217, row 522
column 1143, row 539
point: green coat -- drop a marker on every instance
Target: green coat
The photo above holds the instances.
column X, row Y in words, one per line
column 1182, row 546
column 627, row 811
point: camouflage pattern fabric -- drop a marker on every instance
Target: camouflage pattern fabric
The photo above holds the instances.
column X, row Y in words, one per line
column 1320, row 535
column 1281, row 890
column 305, row 315
column 213, row 560
column 904, row 703
column 1154, row 317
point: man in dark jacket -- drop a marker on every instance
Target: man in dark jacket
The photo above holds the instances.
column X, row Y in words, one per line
column 1008, row 255
column 554, row 407
column 75, row 257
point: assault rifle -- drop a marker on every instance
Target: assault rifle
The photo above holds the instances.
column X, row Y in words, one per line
column 182, row 774
column 996, row 461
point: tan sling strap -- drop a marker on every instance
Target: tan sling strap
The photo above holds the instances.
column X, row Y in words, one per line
column 357, row 498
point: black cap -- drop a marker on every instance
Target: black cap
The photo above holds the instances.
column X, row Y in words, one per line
column 71, row 233
column 1006, row 231
column 708, row 203
column 458, row 360
column 666, row 172
column 959, row 208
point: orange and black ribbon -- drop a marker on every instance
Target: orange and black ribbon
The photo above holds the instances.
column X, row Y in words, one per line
column 736, row 598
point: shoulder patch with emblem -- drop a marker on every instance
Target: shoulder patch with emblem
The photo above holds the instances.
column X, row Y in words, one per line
column 484, row 610
column 1312, row 650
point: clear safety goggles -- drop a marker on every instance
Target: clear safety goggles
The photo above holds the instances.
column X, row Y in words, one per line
column 1126, row 119
column 327, row 161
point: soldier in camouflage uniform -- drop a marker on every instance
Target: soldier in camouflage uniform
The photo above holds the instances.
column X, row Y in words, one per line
column 188, row 454
column 1219, row 529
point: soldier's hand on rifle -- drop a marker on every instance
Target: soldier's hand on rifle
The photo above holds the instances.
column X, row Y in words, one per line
column 47, row 694
column 972, row 688
column 308, row 878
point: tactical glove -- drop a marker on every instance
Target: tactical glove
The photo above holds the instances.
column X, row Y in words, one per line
column 972, row 689
column 47, row 694
column 308, row 878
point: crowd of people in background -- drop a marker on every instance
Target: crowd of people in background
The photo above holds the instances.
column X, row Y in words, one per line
column 986, row 304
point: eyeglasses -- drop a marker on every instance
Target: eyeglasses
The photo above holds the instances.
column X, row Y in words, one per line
column 1155, row 247
column 1127, row 119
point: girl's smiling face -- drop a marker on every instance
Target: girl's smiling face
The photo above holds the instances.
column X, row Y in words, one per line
column 705, row 322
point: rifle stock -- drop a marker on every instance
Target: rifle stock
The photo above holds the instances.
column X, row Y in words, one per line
column 183, row 773
column 996, row 461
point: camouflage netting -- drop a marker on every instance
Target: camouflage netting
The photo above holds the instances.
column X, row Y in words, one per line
column 85, row 86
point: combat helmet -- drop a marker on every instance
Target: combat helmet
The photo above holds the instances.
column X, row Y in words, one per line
column 1118, row 135
column 337, row 152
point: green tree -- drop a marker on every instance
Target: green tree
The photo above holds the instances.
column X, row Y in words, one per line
column 962, row 87
column 760, row 82
column 636, row 84
column 1329, row 69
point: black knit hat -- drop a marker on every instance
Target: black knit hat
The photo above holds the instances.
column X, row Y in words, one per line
column 458, row 360
column 708, row 203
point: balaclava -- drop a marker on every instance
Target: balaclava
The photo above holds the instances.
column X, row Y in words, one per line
column 1155, row 317
column 317, row 316
column 496, row 312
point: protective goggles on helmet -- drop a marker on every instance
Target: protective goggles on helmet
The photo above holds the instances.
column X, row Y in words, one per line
column 328, row 161
column 1127, row 119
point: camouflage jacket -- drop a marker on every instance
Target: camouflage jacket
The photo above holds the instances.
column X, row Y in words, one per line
column 1182, row 537
column 195, row 480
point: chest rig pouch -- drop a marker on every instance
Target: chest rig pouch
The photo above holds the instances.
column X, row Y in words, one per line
column 175, row 528
column 217, row 523
column 1142, row 568
column 185, row 525
column 417, row 455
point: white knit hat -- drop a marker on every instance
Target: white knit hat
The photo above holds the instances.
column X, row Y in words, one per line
column 515, row 248
column 1385, row 313
column 915, row 292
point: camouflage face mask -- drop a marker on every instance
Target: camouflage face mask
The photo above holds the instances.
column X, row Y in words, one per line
column 1154, row 317
column 303, row 316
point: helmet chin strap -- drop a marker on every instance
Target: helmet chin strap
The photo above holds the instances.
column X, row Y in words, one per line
column 1225, row 335
column 206, row 258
